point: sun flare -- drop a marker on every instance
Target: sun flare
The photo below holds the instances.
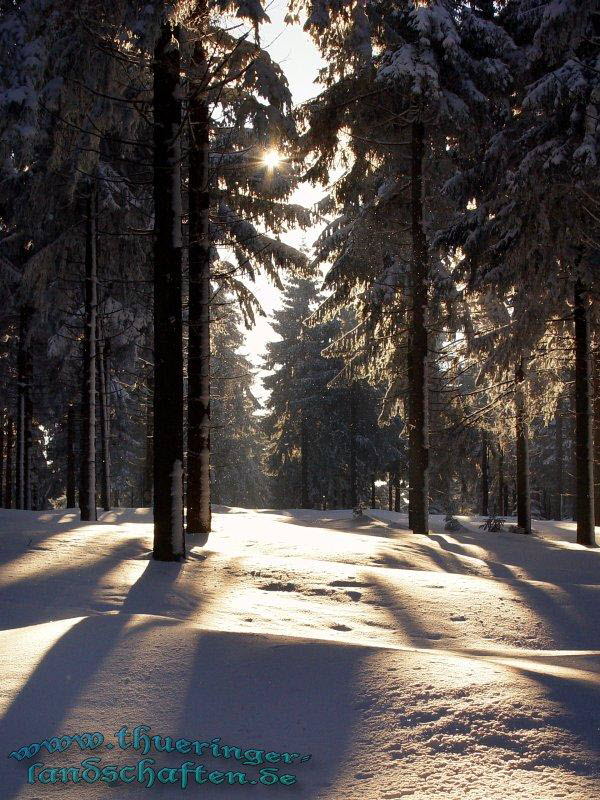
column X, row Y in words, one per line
column 272, row 158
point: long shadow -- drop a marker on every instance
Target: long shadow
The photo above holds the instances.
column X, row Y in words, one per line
column 34, row 598
column 292, row 696
column 52, row 690
column 574, row 704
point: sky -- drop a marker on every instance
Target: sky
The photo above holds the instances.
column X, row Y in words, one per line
column 295, row 52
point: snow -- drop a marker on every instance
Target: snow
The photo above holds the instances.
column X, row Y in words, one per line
column 461, row 664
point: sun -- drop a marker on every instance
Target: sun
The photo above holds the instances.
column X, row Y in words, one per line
column 272, row 158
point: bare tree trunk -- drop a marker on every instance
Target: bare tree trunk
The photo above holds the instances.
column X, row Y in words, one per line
column 9, row 477
column 304, row 494
column 559, row 458
column 390, row 491
column 597, row 433
column 373, row 492
column 522, row 435
column 397, row 487
column 353, row 434
column 103, row 395
column 24, row 411
column 501, row 483
column 485, row 484
column 148, row 457
column 71, row 480
column 169, row 544
column 583, row 420
column 87, row 485
column 198, row 457
column 2, row 459
column 418, row 348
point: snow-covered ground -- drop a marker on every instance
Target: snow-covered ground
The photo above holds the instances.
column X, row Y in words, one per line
column 459, row 665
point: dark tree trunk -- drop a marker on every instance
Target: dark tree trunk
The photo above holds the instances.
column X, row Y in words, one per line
column 9, row 477
column 559, row 458
column 71, row 480
column 148, row 458
column 397, row 488
column 390, row 491
column 583, row 420
column 353, row 434
column 169, row 544
column 198, row 457
column 2, row 459
column 373, row 492
column 304, row 494
column 501, row 483
column 597, row 434
column 485, row 483
column 418, row 348
column 24, row 412
column 103, row 395
column 87, row 483
column 522, row 435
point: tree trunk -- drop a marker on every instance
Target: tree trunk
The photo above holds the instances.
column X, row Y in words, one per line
column 169, row 544
column 390, row 491
column 373, row 492
column 583, row 420
column 2, row 460
column 353, row 434
column 501, row 484
column 23, row 488
column 103, row 395
column 597, row 434
column 559, row 469
column 485, row 484
column 87, row 484
column 149, row 457
column 198, row 457
column 397, row 487
column 522, row 435
column 71, row 481
column 304, row 494
column 9, row 477
column 418, row 348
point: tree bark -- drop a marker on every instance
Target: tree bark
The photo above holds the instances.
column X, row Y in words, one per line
column 9, row 477
column 522, row 436
column 169, row 544
column 485, row 484
column 149, row 457
column 397, row 488
column 24, row 411
column 71, row 480
column 418, row 348
column 390, row 491
column 353, row 434
column 559, row 458
column 373, row 492
column 304, row 494
column 87, row 484
column 501, row 483
column 583, row 420
column 2, row 459
column 198, row 457
column 597, row 434
column 103, row 394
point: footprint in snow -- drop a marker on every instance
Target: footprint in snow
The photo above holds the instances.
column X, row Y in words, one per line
column 350, row 583
column 339, row 627
column 277, row 586
column 354, row 595
column 458, row 618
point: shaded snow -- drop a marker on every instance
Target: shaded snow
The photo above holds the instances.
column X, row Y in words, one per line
column 459, row 665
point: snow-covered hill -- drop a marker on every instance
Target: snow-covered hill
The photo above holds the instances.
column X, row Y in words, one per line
column 456, row 665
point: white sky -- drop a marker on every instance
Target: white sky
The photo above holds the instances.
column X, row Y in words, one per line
column 295, row 52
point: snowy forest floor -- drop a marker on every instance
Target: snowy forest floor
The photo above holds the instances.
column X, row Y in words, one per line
column 459, row 665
